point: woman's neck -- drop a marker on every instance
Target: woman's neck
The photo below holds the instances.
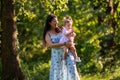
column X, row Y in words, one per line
column 52, row 31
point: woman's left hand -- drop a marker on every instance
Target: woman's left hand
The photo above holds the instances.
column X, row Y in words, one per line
column 68, row 44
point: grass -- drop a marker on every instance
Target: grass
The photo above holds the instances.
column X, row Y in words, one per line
column 39, row 70
column 108, row 75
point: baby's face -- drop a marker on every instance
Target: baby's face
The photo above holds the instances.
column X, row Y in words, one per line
column 69, row 24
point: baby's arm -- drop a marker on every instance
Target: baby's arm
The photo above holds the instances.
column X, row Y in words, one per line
column 69, row 33
column 73, row 34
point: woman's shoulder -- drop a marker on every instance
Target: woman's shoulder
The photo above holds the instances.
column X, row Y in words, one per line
column 48, row 32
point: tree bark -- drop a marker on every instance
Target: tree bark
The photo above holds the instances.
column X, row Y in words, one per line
column 10, row 59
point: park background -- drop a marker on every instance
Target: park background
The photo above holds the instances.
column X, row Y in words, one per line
column 96, row 23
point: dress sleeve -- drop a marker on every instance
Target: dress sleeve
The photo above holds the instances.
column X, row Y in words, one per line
column 64, row 31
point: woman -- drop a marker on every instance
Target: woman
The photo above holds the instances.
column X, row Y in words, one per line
column 59, row 69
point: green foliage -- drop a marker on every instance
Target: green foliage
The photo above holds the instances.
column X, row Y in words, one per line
column 36, row 70
column 97, row 40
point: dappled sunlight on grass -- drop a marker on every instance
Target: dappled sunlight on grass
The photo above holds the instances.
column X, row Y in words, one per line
column 103, row 76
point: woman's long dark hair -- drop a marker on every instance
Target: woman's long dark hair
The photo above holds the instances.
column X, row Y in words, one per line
column 47, row 27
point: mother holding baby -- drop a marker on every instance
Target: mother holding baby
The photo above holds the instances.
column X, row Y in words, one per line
column 61, row 68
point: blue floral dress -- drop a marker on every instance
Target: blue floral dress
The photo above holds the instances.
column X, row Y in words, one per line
column 62, row 69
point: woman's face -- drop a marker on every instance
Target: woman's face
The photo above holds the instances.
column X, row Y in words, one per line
column 54, row 23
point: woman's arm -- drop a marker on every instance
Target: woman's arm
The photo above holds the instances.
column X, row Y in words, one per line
column 53, row 45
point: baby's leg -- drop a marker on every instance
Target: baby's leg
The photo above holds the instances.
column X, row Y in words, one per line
column 65, row 51
column 73, row 50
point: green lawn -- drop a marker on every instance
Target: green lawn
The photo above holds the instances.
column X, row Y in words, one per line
column 40, row 71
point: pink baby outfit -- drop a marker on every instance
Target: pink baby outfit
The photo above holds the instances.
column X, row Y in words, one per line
column 66, row 38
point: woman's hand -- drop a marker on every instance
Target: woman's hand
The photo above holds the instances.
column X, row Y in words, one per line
column 68, row 44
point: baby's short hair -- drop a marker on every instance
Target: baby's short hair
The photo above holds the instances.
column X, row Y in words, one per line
column 67, row 19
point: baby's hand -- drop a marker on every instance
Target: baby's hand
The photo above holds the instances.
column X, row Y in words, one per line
column 73, row 34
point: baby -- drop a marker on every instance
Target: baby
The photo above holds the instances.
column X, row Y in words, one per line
column 68, row 35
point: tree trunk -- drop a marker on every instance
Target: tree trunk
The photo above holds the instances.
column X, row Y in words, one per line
column 10, row 59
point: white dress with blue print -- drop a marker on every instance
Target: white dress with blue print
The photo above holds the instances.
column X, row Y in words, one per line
column 60, row 69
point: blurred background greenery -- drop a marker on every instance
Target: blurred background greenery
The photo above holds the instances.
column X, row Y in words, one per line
column 97, row 40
